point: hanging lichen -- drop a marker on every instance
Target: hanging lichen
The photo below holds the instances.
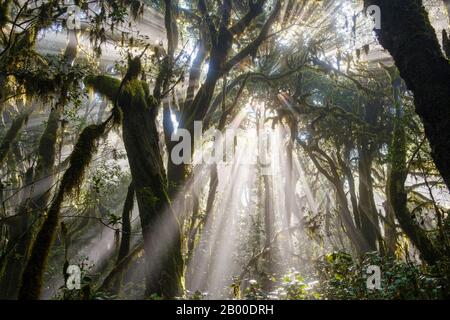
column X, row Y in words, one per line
column 79, row 160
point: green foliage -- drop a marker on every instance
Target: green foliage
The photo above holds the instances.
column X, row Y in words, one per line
column 291, row 286
column 343, row 277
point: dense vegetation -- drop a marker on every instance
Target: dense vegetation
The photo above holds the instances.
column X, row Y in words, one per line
column 341, row 162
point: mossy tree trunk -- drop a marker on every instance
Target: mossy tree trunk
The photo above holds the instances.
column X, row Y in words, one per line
column 44, row 172
column 397, row 195
column 37, row 203
column 407, row 34
column 390, row 230
column 368, row 212
column 158, row 221
column 81, row 156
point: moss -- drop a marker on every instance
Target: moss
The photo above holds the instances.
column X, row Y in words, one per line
column 122, row 92
column 149, row 196
column 134, row 69
column 79, row 160
column 81, row 157
column 146, row 90
column 105, row 85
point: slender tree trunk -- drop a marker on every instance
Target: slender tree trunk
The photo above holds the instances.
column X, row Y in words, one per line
column 396, row 186
column 289, row 196
column 12, row 133
column 346, row 166
column 354, row 234
column 268, row 223
column 194, row 223
column 125, row 240
column 17, row 249
column 101, row 111
column 356, row 237
column 367, row 208
column 389, row 225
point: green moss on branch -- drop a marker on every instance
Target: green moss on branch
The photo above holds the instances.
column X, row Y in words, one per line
column 80, row 159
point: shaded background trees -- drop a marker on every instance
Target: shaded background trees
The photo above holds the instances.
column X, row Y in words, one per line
column 341, row 161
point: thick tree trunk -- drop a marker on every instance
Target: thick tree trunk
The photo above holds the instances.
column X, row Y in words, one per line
column 407, row 34
column 158, row 221
column 160, row 227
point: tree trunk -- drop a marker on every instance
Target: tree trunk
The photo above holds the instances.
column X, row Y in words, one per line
column 160, row 227
column 367, row 209
column 396, row 186
column 17, row 249
column 356, row 237
column 125, row 240
column 33, row 275
column 268, row 225
column 390, row 232
column 407, row 34
column 43, row 178
column 158, row 221
column 12, row 133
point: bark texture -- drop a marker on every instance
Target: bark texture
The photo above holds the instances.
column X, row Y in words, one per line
column 407, row 34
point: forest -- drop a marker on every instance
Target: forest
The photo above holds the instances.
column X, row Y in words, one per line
column 232, row 149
